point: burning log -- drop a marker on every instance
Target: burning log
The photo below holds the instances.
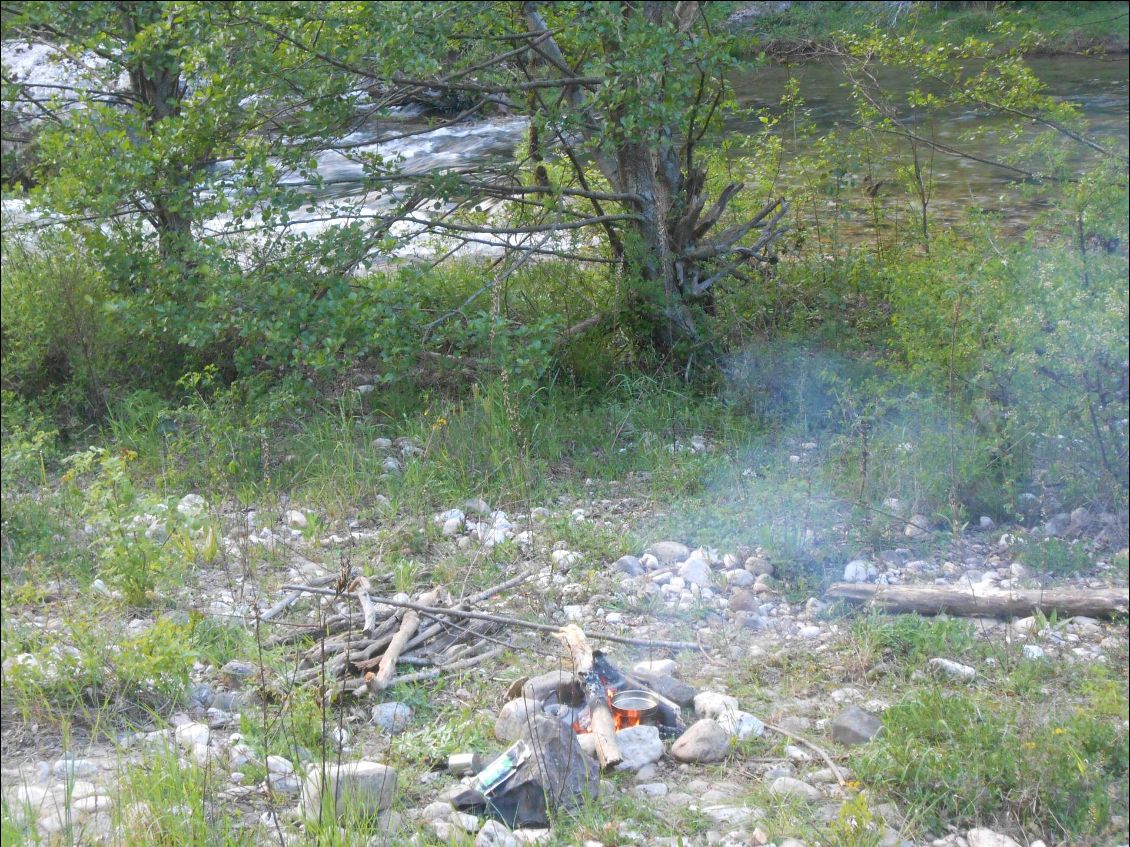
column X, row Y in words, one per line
column 601, row 723
column 956, row 600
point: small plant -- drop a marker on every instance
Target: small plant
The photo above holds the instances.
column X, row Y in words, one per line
column 1056, row 557
column 855, row 825
column 913, row 638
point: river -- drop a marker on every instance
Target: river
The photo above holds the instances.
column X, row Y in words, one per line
column 1099, row 86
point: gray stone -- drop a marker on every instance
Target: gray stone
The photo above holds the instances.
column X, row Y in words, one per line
column 740, row 725
column 71, row 768
column 236, row 672
column 758, row 566
column 548, row 685
column 1081, row 520
column 1057, row 525
column 495, row 834
column 669, row 552
column 437, row 811
column 743, row 600
column 855, row 726
column 286, row 783
column 451, row 527
column 629, row 565
column 192, row 734
column 795, row 723
column 478, row 505
column 710, row 704
column 392, row 718
column 787, row 786
column 1033, row 652
column 704, row 741
column 279, row 765
column 732, row 815
column 532, row 836
column 192, row 506
column 659, row 667
column 202, row 695
column 952, row 669
column 981, row 837
column 860, row 570
column 739, row 578
column 444, row 832
column 647, row 773
column 673, row 689
column 464, row 822
column 228, row 701
column 751, row 620
column 918, row 527
column 514, row 718
column 696, row 572
column 640, row 746
column 361, row 789
column 652, row 789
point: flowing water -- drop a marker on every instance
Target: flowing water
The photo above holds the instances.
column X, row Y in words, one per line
column 1098, row 85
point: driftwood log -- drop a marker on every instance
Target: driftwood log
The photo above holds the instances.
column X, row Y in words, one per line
column 965, row 602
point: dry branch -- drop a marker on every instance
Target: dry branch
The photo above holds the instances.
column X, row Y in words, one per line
column 387, row 667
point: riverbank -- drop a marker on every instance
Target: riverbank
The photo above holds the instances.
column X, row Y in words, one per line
column 800, row 31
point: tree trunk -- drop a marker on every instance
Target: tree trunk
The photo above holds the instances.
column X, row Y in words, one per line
column 158, row 89
column 654, row 261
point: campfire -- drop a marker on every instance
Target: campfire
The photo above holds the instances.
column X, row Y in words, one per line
column 602, row 699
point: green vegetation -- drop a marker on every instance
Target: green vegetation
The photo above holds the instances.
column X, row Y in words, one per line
column 1036, row 27
column 1080, row 756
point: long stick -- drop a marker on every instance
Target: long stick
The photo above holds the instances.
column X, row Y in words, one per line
column 503, row 619
column 289, row 600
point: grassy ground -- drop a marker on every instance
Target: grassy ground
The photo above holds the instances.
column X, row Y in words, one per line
column 1044, row 28
column 118, row 624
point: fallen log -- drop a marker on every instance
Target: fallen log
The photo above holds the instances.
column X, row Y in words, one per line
column 965, row 602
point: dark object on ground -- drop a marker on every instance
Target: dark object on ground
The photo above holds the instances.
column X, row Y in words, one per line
column 558, row 776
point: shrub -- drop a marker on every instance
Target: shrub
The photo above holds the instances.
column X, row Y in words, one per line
column 959, row 760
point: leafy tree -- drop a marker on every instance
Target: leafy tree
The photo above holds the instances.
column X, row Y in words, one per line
column 621, row 96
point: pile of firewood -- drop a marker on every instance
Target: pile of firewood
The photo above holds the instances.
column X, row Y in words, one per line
column 358, row 653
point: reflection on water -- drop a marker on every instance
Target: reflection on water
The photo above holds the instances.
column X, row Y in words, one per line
column 1099, row 86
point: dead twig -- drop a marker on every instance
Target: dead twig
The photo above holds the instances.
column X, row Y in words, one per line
column 814, row 748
